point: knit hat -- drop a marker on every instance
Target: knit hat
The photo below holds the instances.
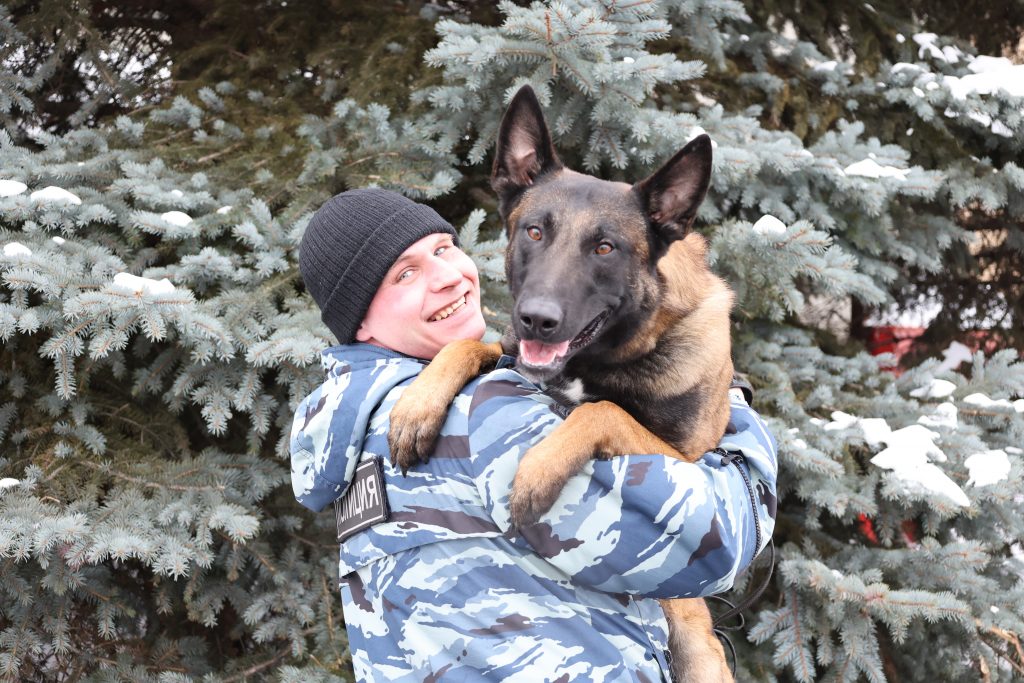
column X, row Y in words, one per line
column 350, row 244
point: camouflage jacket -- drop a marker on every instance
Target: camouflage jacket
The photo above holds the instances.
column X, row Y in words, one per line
column 446, row 590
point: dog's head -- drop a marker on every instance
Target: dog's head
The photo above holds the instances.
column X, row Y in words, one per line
column 582, row 253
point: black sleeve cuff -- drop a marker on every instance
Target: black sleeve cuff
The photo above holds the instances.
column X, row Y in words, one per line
column 740, row 382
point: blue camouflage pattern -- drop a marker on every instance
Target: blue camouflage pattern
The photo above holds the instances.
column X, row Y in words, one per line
column 447, row 590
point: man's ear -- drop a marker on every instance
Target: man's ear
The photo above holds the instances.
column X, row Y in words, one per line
column 671, row 195
column 362, row 334
column 524, row 149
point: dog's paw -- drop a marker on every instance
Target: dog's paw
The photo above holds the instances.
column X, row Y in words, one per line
column 416, row 422
column 537, row 484
column 528, row 503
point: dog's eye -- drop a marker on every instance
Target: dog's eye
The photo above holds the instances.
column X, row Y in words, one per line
column 604, row 248
column 534, row 233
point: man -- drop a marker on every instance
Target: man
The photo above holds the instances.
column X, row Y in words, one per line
column 439, row 586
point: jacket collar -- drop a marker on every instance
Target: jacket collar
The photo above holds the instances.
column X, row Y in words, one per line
column 358, row 353
column 353, row 354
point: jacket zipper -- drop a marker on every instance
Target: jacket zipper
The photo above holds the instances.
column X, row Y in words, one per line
column 736, row 458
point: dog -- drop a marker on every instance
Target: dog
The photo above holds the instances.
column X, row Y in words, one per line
column 617, row 313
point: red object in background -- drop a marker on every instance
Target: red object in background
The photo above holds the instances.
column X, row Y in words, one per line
column 988, row 341
column 911, row 531
column 895, row 340
column 910, row 528
column 900, row 340
column 867, row 528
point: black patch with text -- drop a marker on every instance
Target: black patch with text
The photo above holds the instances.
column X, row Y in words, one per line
column 366, row 501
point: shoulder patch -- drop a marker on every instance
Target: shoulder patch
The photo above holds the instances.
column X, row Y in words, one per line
column 365, row 503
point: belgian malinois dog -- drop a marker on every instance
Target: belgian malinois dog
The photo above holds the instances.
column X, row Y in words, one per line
column 618, row 314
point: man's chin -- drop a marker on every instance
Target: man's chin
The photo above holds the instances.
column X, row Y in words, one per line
column 473, row 328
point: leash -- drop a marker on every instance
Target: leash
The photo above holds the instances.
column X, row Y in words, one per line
column 717, row 625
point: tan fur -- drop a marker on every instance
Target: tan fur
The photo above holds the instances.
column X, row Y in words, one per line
column 421, row 410
column 694, row 313
column 697, row 654
column 600, row 429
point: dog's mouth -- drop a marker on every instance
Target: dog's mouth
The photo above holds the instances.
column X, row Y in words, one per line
column 538, row 355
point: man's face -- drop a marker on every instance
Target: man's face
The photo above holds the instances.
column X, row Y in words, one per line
column 431, row 296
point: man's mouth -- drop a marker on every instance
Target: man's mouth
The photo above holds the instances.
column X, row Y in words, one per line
column 537, row 354
column 449, row 310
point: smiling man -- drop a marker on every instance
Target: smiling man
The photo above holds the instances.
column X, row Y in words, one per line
column 429, row 297
column 436, row 584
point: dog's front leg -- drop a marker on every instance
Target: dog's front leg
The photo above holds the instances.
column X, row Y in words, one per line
column 420, row 412
column 600, row 429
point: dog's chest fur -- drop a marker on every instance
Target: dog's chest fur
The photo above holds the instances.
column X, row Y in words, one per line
column 639, row 388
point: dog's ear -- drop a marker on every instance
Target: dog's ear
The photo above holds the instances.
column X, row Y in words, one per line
column 524, row 147
column 672, row 194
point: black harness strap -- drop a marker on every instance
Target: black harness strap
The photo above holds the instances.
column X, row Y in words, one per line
column 718, row 626
column 737, row 610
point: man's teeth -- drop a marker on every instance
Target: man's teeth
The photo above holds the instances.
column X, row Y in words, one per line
column 442, row 314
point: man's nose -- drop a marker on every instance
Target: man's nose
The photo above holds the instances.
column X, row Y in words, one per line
column 444, row 275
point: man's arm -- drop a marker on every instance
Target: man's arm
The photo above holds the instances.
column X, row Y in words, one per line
column 641, row 524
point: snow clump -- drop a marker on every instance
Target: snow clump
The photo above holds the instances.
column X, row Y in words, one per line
column 177, row 218
column 988, row 468
column 143, row 285
column 9, row 188
column 770, row 225
column 53, row 193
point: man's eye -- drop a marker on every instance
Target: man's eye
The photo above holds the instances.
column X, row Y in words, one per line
column 405, row 274
column 441, row 250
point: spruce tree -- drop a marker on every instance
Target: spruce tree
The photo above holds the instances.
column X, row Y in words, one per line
column 157, row 338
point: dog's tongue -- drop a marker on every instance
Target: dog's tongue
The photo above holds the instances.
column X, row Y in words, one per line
column 539, row 353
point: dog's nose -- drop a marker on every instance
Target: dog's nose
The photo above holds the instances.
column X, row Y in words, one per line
column 542, row 317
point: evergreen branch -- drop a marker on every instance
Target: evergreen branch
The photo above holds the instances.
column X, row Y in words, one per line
column 616, row 7
column 256, row 668
column 328, row 601
column 104, row 349
column 149, row 667
column 846, row 664
column 312, row 544
column 174, row 136
column 214, row 155
column 521, row 51
column 589, row 88
column 808, row 674
column 550, row 42
column 1012, row 639
column 986, row 413
column 156, row 372
column 372, row 156
column 235, row 544
column 101, row 67
column 150, row 484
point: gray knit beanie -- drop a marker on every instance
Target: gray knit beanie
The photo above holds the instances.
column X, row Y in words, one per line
column 349, row 246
